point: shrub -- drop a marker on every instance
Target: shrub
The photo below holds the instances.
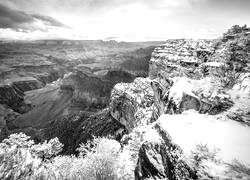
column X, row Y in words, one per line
column 16, row 160
column 239, row 167
column 99, row 159
column 47, row 150
column 20, row 158
column 202, row 152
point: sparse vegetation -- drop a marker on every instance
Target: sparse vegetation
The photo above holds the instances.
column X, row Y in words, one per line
column 99, row 159
column 208, row 165
column 239, row 167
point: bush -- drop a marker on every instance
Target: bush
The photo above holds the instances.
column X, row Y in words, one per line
column 20, row 157
column 47, row 150
column 99, row 159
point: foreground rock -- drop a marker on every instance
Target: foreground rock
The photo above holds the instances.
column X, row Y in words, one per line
column 131, row 103
column 156, row 156
column 162, row 159
column 207, row 78
column 203, row 77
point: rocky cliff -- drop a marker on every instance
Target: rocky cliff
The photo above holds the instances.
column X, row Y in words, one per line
column 131, row 103
column 57, row 104
column 184, row 75
column 13, row 89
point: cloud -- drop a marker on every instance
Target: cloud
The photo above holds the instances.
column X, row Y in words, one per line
column 222, row 6
column 22, row 21
column 47, row 20
column 122, row 19
column 83, row 7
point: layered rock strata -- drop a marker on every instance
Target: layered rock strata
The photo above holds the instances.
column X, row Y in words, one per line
column 209, row 77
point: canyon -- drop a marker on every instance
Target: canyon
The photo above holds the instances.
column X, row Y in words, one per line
column 46, row 81
column 181, row 108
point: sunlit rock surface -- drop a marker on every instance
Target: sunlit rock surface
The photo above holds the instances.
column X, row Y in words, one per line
column 131, row 102
column 201, row 97
column 179, row 58
column 160, row 158
column 203, row 84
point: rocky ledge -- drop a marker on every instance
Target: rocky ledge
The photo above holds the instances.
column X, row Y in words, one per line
column 207, row 77
column 131, row 103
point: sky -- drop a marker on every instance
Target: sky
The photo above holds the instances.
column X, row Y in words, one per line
column 121, row 20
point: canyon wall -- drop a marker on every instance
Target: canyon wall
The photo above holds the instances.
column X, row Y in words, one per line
column 208, row 77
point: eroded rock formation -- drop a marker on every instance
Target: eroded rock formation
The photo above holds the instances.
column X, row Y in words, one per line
column 131, row 102
column 202, row 76
column 162, row 159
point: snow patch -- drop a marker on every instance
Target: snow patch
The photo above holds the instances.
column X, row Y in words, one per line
column 191, row 128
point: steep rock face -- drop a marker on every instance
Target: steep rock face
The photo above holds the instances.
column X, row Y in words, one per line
column 130, row 103
column 179, row 58
column 162, row 159
column 10, row 95
column 13, row 90
column 76, row 129
column 48, row 103
column 117, row 76
column 6, row 115
column 186, row 75
column 206, row 77
column 47, row 78
column 25, row 84
column 89, row 92
column 210, row 69
column 179, row 94
column 13, row 97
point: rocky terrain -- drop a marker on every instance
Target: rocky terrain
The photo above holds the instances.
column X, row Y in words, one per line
column 188, row 119
column 45, row 81
column 196, row 103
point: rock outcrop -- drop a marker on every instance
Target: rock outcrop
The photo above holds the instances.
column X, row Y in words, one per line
column 25, row 84
column 13, row 98
column 13, row 90
column 201, row 76
column 93, row 92
column 162, row 159
column 178, row 58
column 6, row 115
column 79, row 128
column 49, row 77
column 130, row 103
column 210, row 69
column 201, row 95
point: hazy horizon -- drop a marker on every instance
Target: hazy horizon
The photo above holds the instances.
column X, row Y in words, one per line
column 120, row 20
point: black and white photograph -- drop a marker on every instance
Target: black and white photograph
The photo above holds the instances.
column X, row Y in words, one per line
column 124, row 89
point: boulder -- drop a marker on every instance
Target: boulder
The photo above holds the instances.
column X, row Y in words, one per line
column 162, row 160
column 131, row 102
